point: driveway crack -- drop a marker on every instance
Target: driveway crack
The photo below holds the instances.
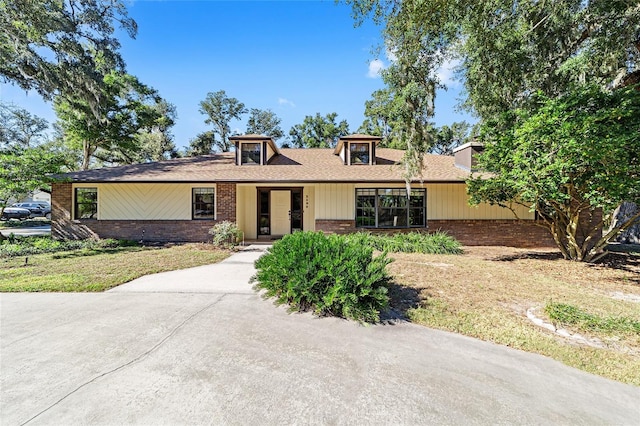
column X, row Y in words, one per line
column 128, row 363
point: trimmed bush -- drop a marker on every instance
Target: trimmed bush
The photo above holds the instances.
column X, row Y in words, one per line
column 411, row 242
column 225, row 234
column 327, row 274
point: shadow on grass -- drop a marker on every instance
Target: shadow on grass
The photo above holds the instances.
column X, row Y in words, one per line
column 94, row 252
column 628, row 262
column 401, row 299
column 537, row 255
column 625, row 259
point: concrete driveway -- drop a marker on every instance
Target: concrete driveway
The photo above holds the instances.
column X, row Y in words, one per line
column 201, row 347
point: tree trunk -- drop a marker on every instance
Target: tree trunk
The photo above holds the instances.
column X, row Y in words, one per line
column 622, row 214
column 86, row 155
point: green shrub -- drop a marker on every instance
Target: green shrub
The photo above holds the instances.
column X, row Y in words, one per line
column 330, row 275
column 16, row 245
column 411, row 242
column 226, row 234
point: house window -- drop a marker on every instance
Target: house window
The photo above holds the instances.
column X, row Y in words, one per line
column 250, row 153
column 390, row 208
column 86, row 203
column 360, row 153
column 203, row 203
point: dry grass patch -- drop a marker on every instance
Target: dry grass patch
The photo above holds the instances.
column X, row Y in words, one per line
column 100, row 269
column 486, row 293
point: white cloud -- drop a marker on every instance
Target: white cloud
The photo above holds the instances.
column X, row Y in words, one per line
column 283, row 101
column 446, row 72
column 375, row 67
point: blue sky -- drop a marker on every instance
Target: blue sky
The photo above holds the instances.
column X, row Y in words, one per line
column 296, row 58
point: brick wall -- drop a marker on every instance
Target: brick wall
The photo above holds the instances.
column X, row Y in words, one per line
column 510, row 233
column 335, row 226
column 148, row 230
column 469, row 232
column 64, row 227
column 62, row 224
column 226, row 201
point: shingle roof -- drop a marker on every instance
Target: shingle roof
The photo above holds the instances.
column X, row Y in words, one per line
column 292, row 165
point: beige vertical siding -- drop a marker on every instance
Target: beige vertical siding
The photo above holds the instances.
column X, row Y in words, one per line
column 444, row 201
column 308, row 206
column 335, row 201
column 450, row 201
column 247, row 210
column 144, row 201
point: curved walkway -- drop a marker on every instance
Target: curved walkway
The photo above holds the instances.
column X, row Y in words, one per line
column 200, row 347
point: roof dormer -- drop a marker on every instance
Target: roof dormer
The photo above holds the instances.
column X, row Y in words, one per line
column 357, row 149
column 253, row 149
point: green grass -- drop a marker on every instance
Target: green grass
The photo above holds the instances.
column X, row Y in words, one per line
column 564, row 314
column 100, row 268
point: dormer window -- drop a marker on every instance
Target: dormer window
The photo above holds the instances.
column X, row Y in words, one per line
column 254, row 150
column 357, row 149
column 360, row 153
column 250, row 153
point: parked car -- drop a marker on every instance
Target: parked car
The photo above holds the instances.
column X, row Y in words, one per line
column 36, row 209
column 15, row 213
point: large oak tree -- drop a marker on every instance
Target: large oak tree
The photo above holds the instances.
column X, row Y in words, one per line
column 62, row 47
column 512, row 54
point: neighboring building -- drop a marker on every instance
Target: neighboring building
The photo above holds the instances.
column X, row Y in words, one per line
column 270, row 192
column 38, row 196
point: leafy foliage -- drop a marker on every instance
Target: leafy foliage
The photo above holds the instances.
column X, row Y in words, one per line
column 25, row 161
column 264, row 122
column 226, row 234
column 447, row 138
column 570, row 159
column 62, row 47
column 328, row 274
column 202, row 144
column 318, row 131
column 15, row 246
column 109, row 131
column 509, row 50
column 506, row 52
column 410, row 242
column 220, row 110
column 383, row 118
column 20, row 129
column 155, row 141
column 565, row 314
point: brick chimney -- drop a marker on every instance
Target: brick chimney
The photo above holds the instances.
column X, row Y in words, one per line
column 465, row 155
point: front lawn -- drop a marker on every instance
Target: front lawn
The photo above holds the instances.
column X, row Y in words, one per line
column 495, row 293
column 99, row 268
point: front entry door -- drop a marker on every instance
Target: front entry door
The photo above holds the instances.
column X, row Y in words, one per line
column 280, row 212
